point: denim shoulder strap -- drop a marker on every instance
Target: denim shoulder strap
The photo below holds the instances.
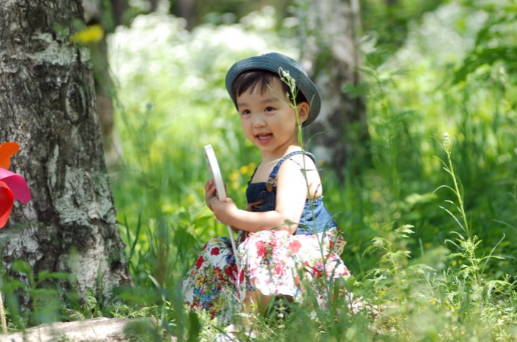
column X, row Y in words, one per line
column 274, row 172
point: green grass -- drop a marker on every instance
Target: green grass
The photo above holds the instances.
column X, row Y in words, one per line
column 429, row 223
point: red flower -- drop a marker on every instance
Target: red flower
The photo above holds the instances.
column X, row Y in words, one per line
column 215, row 251
column 316, row 272
column 199, row 261
column 261, row 248
column 231, row 271
column 294, row 246
column 12, row 185
column 6, row 203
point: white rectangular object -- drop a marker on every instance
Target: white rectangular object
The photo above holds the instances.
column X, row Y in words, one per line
column 221, row 195
column 216, row 172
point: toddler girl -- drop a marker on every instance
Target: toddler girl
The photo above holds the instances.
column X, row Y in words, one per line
column 286, row 234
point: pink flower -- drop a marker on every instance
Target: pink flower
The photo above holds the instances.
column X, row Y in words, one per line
column 294, row 246
column 261, row 249
column 279, row 270
column 12, row 185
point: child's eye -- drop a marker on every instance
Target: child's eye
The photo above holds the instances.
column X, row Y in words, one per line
column 245, row 112
column 270, row 109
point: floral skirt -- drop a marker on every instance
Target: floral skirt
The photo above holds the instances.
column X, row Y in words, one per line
column 272, row 262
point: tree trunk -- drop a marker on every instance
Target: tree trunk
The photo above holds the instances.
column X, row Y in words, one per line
column 187, row 10
column 109, row 15
column 47, row 105
column 330, row 46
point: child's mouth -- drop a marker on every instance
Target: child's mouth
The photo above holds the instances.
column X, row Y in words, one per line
column 264, row 138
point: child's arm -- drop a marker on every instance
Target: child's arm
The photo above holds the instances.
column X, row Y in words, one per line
column 290, row 200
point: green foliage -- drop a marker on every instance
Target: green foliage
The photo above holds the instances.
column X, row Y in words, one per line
column 430, row 263
column 388, row 22
column 51, row 296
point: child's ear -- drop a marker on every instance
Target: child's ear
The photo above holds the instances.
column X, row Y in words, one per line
column 303, row 111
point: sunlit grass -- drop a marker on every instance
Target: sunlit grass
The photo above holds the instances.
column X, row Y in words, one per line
column 427, row 274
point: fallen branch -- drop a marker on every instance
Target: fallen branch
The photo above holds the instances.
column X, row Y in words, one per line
column 2, row 315
column 97, row 329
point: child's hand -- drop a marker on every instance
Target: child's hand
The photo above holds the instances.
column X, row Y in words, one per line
column 223, row 210
column 210, row 192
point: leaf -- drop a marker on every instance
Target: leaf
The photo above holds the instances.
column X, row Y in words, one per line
column 486, row 56
column 44, row 275
column 453, row 216
column 379, row 242
column 194, row 326
column 22, row 267
column 356, row 90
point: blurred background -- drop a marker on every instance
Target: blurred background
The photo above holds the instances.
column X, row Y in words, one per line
column 406, row 84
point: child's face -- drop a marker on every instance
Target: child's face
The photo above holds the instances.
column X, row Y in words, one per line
column 268, row 119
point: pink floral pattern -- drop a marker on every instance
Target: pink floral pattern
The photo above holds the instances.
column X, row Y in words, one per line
column 273, row 262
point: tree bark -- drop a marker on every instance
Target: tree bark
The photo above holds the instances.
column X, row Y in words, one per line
column 187, row 10
column 113, row 14
column 330, row 46
column 47, row 105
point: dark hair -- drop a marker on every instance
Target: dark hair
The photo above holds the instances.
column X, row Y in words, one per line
column 260, row 78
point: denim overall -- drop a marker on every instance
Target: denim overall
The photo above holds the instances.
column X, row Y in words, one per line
column 262, row 197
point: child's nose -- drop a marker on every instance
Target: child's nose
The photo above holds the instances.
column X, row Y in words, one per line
column 258, row 121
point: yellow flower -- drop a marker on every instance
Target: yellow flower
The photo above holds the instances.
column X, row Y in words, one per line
column 376, row 196
column 191, row 199
column 167, row 208
column 91, row 34
column 234, row 175
column 247, row 169
column 244, row 169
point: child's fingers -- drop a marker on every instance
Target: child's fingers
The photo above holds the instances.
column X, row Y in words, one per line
column 209, row 187
column 208, row 183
